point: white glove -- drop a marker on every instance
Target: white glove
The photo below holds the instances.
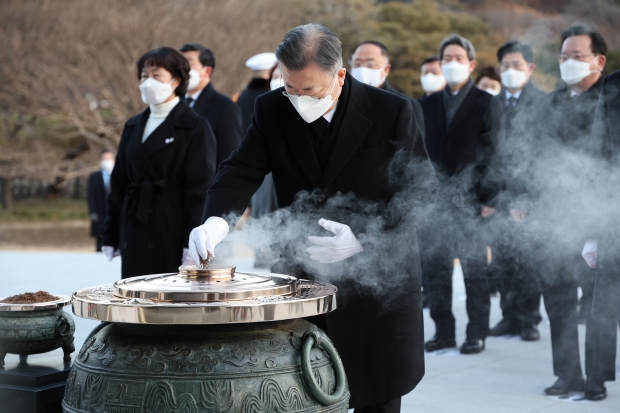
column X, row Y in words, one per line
column 186, row 258
column 203, row 239
column 334, row 249
column 110, row 252
column 589, row 252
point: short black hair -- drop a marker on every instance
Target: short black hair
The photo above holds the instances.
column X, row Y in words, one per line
column 430, row 59
column 489, row 72
column 515, row 46
column 384, row 50
column 455, row 39
column 598, row 43
column 170, row 59
column 206, row 57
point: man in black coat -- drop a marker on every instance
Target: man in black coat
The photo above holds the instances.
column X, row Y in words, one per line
column 331, row 134
column 98, row 189
column 604, row 223
column 261, row 66
column 516, row 107
column 370, row 64
column 458, row 138
column 567, row 116
column 219, row 110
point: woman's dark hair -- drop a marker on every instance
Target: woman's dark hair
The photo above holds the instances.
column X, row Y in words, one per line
column 169, row 59
column 489, row 72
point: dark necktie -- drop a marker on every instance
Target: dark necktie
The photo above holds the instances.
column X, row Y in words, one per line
column 319, row 127
column 512, row 102
column 189, row 101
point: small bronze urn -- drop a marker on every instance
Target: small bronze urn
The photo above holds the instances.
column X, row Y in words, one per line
column 206, row 340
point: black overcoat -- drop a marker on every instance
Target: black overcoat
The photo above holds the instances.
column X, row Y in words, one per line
column 605, row 221
column 158, row 190
column 97, row 203
column 224, row 117
column 381, row 346
column 247, row 99
column 417, row 108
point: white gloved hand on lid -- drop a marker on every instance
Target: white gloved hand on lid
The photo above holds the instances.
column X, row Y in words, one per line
column 110, row 252
column 334, row 249
column 203, row 239
column 589, row 252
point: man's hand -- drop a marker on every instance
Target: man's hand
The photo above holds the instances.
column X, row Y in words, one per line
column 589, row 252
column 334, row 249
column 203, row 239
column 518, row 214
column 487, row 211
column 110, row 252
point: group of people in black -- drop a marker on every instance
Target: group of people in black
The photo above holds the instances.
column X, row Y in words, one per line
column 186, row 163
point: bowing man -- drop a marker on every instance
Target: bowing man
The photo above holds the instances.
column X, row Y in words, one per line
column 165, row 164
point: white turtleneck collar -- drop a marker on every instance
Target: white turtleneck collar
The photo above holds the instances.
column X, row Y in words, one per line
column 158, row 115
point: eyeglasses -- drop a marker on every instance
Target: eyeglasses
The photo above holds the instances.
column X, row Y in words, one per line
column 285, row 93
column 563, row 57
column 515, row 65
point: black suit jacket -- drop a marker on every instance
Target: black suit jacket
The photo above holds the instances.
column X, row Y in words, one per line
column 602, row 214
column 466, row 142
column 247, row 100
column 374, row 125
column 97, row 202
column 417, row 108
column 224, row 117
column 158, row 190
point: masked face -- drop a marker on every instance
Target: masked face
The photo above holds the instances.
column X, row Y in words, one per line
column 455, row 72
column 493, row 92
column 432, row 83
column 574, row 71
column 513, row 79
column 194, row 79
column 155, row 92
column 368, row 76
column 311, row 108
column 107, row 165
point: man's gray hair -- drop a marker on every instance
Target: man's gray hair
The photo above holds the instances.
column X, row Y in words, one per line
column 310, row 44
column 455, row 39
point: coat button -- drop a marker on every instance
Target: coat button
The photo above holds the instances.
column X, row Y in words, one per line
column 150, row 245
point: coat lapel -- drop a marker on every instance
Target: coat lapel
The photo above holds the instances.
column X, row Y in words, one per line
column 167, row 134
column 204, row 100
column 300, row 141
column 136, row 148
column 351, row 132
column 467, row 105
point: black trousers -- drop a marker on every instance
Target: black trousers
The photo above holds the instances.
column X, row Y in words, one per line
column 561, row 304
column 477, row 288
column 392, row 406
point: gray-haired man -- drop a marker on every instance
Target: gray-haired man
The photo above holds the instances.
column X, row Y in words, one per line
column 324, row 131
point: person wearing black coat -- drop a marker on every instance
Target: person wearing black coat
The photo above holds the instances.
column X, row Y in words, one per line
column 343, row 148
column 165, row 164
column 567, row 116
column 517, row 111
column 219, row 110
column 98, row 188
column 459, row 126
column 605, row 147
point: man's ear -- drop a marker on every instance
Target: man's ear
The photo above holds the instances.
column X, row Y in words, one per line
column 602, row 60
column 472, row 66
column 341, row 75
column 387, row 69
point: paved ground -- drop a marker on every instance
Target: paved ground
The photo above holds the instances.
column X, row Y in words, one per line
column 508, row 377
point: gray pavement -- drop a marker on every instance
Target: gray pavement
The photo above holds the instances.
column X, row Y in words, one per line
column 509, row 376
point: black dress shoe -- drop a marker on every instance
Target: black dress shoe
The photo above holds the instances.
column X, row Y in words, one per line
column 563, row 387
column 505, row 328
column 472, row 346
column 595, row 390
column 530, row 333
column 439, row 344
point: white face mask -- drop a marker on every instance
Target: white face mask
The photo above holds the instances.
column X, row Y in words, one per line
column 492, row 91
column 107, row 165
column 155, row 92
column 574, row 71
column 371, row 77
column 432, row 83
column 455, row 72
column 275, row 83
column 513, row 79
column 311, row 108
column 194, row 79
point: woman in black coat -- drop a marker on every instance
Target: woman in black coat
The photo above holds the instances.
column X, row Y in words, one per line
column 165, row 164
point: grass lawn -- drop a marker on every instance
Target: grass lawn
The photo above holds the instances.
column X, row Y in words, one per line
column 59, row 209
